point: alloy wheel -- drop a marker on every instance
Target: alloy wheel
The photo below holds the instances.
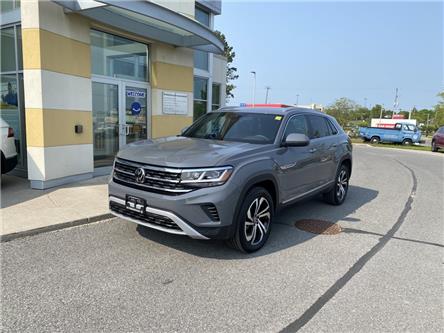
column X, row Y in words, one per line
column 342, row 185
column 257, row 220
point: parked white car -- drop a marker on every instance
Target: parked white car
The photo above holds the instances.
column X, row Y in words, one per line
column 8, row 151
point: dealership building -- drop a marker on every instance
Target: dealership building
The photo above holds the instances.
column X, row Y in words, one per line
column 80, row 79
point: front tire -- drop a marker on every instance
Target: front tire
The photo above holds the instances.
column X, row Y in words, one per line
column 253, row 223
column 336, row 196
column 407, row 142
column 434, row 148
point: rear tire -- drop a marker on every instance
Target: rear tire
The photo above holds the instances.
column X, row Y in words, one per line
column 336, row 196
column 375, row 140
column 434, row 148
column 253, row 222
column 407, row 142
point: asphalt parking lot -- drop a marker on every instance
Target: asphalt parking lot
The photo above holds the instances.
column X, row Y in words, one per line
column 382, row 273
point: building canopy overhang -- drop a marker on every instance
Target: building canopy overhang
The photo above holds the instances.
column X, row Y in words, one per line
column 149, row 20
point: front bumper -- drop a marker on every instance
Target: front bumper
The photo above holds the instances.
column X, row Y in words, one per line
column 181, row 214
column 182, row 227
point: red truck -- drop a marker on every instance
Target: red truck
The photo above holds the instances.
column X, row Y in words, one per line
column 438, row 139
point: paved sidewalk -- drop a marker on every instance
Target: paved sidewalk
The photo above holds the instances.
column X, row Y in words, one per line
column 24, row 209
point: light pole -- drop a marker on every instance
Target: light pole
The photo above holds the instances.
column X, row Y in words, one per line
column 266, row 94
column 254, row 87
column 365, row 102
column 297, row 99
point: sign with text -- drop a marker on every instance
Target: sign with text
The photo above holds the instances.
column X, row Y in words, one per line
column 135, row 93
column 174, row 103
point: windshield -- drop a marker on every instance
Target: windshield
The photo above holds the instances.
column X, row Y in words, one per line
column 236, row 126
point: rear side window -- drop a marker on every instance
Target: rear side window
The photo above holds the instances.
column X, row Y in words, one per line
column 333, row 129
column 318, row 127
column 441, row 130
column 296, row 124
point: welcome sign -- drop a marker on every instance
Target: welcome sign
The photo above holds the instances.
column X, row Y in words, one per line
column 135, row 93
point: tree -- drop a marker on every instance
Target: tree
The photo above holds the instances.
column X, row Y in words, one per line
column 342, row 109
column 439, row 112
column 231, row 71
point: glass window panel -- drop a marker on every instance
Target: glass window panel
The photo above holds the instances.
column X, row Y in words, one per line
column 105, row 102
column 19, row 47
column 201, row 60
column 200, row 108
column 7, row 45
column 202, row 16
column 9, row 5
column 9, row 106
column 215, row 96
column 118, row 57
column 200, row 88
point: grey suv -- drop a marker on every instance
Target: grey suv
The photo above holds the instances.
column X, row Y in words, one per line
column 228, row 174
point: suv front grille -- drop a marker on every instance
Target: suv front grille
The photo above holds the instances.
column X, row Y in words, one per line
column 147, row 217
column 157, row 179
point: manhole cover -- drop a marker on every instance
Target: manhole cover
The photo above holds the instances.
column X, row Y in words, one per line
column 318, row 227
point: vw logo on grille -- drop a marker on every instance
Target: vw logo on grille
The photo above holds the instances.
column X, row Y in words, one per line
column 140, row 175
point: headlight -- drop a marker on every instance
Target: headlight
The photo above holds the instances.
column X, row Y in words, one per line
column 206, row 177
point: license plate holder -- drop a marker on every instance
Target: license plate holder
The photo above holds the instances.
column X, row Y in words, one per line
column 135, row 204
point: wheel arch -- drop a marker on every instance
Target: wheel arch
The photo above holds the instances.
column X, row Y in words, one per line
column 346, row 160
column 267, row 181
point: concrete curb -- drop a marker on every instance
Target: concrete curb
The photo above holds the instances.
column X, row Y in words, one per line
column 53, row 227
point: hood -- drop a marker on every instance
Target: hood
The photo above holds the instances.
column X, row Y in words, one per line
column 182, row 152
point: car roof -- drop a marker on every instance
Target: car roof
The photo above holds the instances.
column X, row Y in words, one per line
column 267, row 110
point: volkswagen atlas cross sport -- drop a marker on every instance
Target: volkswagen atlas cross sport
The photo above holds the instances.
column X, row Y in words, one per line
column 226, row 175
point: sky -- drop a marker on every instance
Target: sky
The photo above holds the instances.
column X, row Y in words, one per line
column 322, row 51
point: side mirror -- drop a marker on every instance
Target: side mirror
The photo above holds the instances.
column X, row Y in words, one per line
column 296, row 140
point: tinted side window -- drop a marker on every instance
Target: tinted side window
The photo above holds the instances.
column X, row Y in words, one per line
column 333, row 129
column 441, row 130
column 297, row 124
column 318, row 127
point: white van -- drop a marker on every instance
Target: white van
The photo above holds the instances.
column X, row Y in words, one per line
column 8, row 151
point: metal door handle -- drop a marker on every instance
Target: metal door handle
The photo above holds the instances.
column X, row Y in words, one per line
column 312, row 150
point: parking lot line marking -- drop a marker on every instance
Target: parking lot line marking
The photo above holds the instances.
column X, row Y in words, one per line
column 358, row 265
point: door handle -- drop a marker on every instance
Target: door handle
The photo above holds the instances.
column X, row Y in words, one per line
column 312, row 150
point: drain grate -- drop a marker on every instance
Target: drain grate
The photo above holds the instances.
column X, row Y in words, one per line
column 320, row 227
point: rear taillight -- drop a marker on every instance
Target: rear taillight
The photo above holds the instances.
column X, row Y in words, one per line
column 10, row 132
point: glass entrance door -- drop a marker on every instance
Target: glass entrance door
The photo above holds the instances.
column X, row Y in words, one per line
column 120, row 116
column 105, row 103
column 135, row 117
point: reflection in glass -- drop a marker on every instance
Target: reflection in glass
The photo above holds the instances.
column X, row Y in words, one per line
column 201, row 60
column 116, row 56
column 215, row 96
column 200, row 97
column 105, row 123
column 7, row 50
column 9, row 106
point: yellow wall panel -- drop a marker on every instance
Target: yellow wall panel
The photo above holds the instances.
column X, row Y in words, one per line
column 46, row 50
column 169, row 125
column 34, row 127
column 171, row 77
column 49, row 127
